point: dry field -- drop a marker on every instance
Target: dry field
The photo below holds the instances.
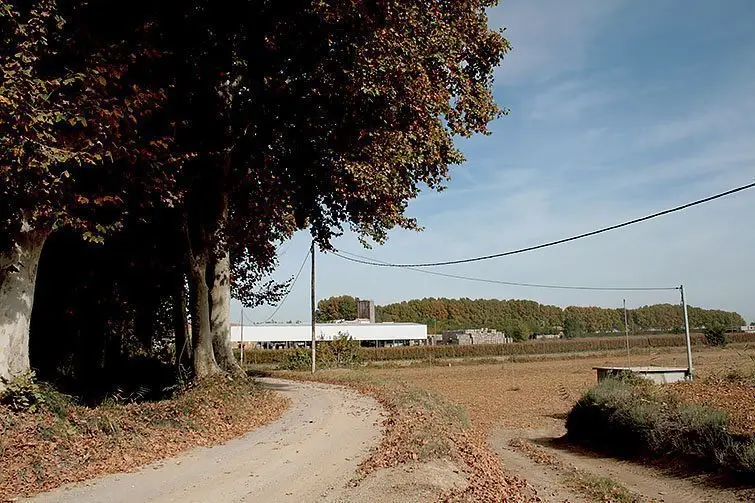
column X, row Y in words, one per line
column 538, row 394
column 523, row 405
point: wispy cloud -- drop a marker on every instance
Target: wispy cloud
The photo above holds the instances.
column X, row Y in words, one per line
column 570, row 99
column 548, row 36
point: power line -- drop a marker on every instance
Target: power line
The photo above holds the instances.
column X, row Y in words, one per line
column 513, row 283
column 560, row 241
column 296, row 278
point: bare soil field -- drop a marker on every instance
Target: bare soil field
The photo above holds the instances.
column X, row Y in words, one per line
column 527, row 402
column 539, row 394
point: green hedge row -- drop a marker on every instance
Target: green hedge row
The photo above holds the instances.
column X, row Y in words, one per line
column 518, row 348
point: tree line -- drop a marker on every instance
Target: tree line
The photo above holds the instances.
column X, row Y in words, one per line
column 524, row 318
column 154, row 154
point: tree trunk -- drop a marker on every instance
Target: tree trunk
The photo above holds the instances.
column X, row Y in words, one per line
column 204, row 357
column 180, row 326
column 18, row 275
column 220, row 314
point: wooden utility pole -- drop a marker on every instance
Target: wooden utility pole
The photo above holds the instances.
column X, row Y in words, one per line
column 626, row 333
column 686, row 334
column 312, row 301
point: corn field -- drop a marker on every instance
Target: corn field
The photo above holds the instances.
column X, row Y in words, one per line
column 585, row 344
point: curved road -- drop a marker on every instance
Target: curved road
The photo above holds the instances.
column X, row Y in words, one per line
column 308, row 455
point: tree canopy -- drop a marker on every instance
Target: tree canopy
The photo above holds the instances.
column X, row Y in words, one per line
column 187, row 140
column 525, row 317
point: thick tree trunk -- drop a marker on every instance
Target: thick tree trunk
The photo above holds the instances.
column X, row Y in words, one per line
column 204, row 357
column 180, row 327
column 18, row 275
column 220, row 315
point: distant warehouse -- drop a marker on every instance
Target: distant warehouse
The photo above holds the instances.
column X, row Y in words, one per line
column 283, row 335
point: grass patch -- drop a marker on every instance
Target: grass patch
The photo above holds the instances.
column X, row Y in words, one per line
column 595, row 487
column 600, row 488
column 634, row 418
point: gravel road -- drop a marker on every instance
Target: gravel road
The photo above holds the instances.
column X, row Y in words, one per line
column 308, row 455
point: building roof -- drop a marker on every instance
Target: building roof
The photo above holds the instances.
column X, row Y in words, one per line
column 335, row 324
column 274, row 332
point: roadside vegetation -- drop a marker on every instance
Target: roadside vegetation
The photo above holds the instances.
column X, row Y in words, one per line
column 631, row 417
column 341, row 352
column 596, row 488
column 48, row 439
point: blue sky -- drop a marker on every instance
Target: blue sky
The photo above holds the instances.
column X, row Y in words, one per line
column 618, row 109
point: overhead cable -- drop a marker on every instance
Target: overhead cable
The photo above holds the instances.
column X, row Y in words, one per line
column 559, row 241
column 513, row 283
column 296, row 278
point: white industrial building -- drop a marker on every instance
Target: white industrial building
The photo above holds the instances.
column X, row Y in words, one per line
column 279, row 335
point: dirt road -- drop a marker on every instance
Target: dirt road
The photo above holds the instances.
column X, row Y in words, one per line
column 647, row 483
column 308, row 455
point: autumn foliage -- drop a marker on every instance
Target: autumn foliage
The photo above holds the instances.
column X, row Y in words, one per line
column 65, row 442
column 183, row 142
column 449, row 314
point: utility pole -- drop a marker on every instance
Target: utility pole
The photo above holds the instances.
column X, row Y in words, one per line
column 242, row 337
column 626, row 333
column 312, row 301
column 686, row 334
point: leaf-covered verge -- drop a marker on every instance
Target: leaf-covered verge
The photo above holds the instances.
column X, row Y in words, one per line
column 421, row 426
column 64, row 442
column 732, row 391
column 632, row 417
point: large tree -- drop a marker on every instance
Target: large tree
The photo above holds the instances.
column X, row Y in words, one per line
column 67, row 133
column 313, row 114
column 285, row 115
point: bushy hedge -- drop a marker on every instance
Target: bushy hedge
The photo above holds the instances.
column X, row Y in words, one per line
column 342, row 351
column 631, row 417
column 278, row 356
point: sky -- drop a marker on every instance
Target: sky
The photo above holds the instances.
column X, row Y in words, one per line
column 618, row 109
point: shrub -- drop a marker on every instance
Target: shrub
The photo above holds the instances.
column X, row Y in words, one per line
column 23, row 393
column 297, row 359
column 342, row 351
column 635, row 418
column 716, row 336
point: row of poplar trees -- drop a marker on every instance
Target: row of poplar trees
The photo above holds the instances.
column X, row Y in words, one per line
column 527, row 317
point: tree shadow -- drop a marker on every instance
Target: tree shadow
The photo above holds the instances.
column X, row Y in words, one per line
column 684, row 469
